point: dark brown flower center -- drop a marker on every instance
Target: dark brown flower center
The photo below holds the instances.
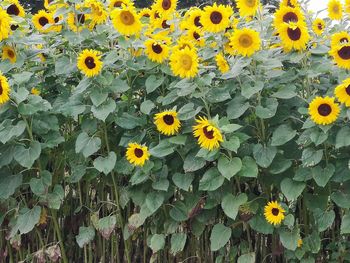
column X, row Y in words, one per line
column 118, row 4
column 127, row 18
column 157, row 48
column 81, row 18
column 10, row 53
column 344, row 40
column 216, row 17
column 138, row 152
column 208, row 134
column 290, row 17
column 14, row 27
column 1, row 89
column 90, row 62
column 165, row 24
column 344, row 53
column 324, row 109
column 196, row 35
column 166, row 4
column 294, row 34
column 57, row 19
column 168, row 119
column 43, row 21
column 197, row 21
column 13, row 10
column 275, row 211
column 348, row 90
column 320, row 26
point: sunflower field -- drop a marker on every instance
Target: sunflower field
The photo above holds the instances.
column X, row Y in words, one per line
column 217, row 133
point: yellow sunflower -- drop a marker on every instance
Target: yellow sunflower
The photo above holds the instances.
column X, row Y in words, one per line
column 228, row 48
column 156, row 50
column 35, row 91
column 274, row 213
column 183, row 42
column 15, row 9
column 9, row 53
column 43, row 21
column 216, row 18
column 324, row 111
column 342, row 92
column 341, row 55
column 57, row 26
column 89, row 62
column 335, row 10
column 347, row 6
column 118, row 3
column 98, row 13
column 245, row 41
column 294, row 36
column 208, row 134
column 290, row 3
column 78, row 21
column 288, row 14
column 192, row 18
column 247, row 7
column 222, row 63
column 137, row 154
column 318, row 26
column 145, row 12
column 300, row 242
column 126, row 21
column 340, row 38
column 196, row 35
column 4, row 89
column 165, row 7
column 184, row 62
column 167, row 122
column 5, row 24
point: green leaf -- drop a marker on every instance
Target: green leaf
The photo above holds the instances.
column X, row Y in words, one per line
column 9, row 184
column 55, row 199
column 106, row 225
column 40, row 186
column 249, row 90
column 33, row 105
column 232, row 144
column 27, row 219
column 98, row 96
column 187, row 111
column 157, row 242
column 220, row 235
column 105, row 164
column 183, row 181
column 163, row 149
column 342, row 139
column 249, row 168
column 178, row 242
column 22, row 77
column 87, row 145
column 154, row 200
column 324, row 219
column 153, row 82
column 27, row 156
column 119, row 86
column 9, row 131
column 229, row 168
column 147, row 106
column 322, row 176
column 247, row 258
column 345, row 225
column 311, row 157
column 286, row 92
column 230, row 204
column 237, row 107
column 341, row 199
column 102, row 111
column 259, row 224
column 85, row 236
column 64, row 66
column 162, row 184
column 264, row 155
column 282, row 135
column 292, row 189
column 289, row 239
column 269, row 111
column 211, row 180
column 193, row 163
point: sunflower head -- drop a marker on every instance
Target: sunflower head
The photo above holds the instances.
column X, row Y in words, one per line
column 167, row 122
column 119, row 3
column 157, row 50
column 184, row 62
column 216, row 18
column 98, row 13
column 89, row 62
column 288, row 14
column 165, row 7
column 340, row 38
column 222, row 63
column 293, row 36
column 137, row 154
column 318, row 26
column 9, row 53
column 35, row 91
column 335, row 9
column 245, row 41
column 126, row 21
column 5, row 24
column 208, row 134
column 4, row 89
column 15, row 9
column 290, row 3
column 43, row 21
column 274, row 213
column 341, row 55
column 324, row 111
column 342, row 92
column 247, row 7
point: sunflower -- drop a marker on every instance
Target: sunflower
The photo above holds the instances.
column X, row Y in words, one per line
column 340, row 38
column 228, row 48
column 347, row 6
column 324, row 111
column 9, row 53
column 43, row 21
column 119, row 3
column 165, row 7
column 15, row 9
column 184, row 62
column 98, row 13
column 157, row 50
column 342, row 92
column 57, row 26
column 335, row 10
column 221, row 62
column 196, row 36
column 126, row 21
column 163, row 23
column 137, row 154
column 294, row 36
column 145, row 12
column 183, row 42
column 78, row 21
column 318, row 26
column 5, row 24
column 288, row 14
column 216, row 18
column 290, row 3
column 167, row 122
column 35, row 91
column 274, row 213
column 247, row 7
column 192, row 18
column 209, row 136
column 89, row 62
column 4, row 89
column 300, row 242
column 245, row 41
column 341, row 55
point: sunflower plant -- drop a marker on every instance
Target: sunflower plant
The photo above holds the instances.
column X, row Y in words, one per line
column 214, row 134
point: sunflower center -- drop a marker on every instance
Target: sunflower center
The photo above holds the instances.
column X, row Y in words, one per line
column 10, row 53
column 43, row 21
column 165, row 24
column 335, row 9
column 118, row 4
column 196, row 35
column 294, row 34
column 207, row 133
column 138, row 152
column 90, row 62
column 186, row 61
column 1, row 89
column 157, row 48
column 250, row 3
column 324, row 109
column 81, row 18
column 216, row 17
column 348, row 90
column 319, row 26
column 14, row 27
column 156, row 14
column 245, row 41
column 166, row 4
column 344, row 40
column 57, row 19
column 13, row 10
column 168, row 119
column 344, row 53
column 127, row 18
column 197, row 21
column 290, row 17
column 275, row 211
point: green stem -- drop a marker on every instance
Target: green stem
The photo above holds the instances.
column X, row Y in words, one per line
column 59, row 236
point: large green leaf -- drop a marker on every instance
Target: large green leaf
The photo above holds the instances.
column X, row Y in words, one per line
column 247, row 258
column 178, row 242
column 230, row 204
column 27, row 156
column 322, row 176
column 211, row 180
column 105, row 164
column 264, row 155
column 249, row 167
column 87, row 145
column 9, row 184
column 292, row 189
column 27, row 219
column 220, row 235
column 157, row 242
column 289, row 238
column 228, row 168
column 85, row 236
column 283, row 134
column 342, row 139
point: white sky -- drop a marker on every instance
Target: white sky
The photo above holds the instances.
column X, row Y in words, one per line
column 317, row 5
